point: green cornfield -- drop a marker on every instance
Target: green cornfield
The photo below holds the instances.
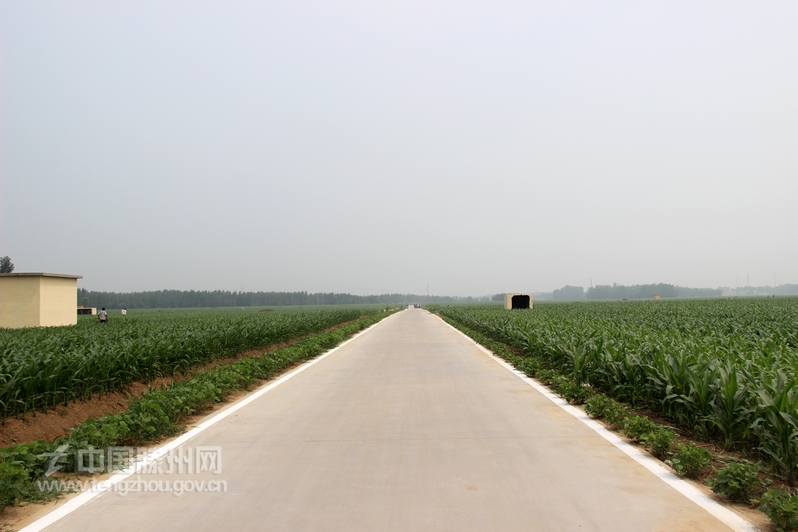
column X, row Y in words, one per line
column 727, row 369
column 46, row 366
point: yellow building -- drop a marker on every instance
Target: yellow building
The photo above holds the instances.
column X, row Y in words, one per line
column 517, row 301
column 38, row 299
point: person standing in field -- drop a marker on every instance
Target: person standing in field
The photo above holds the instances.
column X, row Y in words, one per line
column 103, row 315
column 124, row 312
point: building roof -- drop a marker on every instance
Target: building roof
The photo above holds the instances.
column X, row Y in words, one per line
column 41, row 274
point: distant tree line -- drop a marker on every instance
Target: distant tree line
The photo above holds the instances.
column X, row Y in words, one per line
column 780, row 290
column 220, row 298
column 647, row 291
column 699, row 292
column 569, row 293
column 640, row 291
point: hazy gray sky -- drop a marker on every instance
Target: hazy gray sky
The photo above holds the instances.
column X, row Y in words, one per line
column 373, row 147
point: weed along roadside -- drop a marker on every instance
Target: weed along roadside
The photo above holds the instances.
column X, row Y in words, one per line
column 153, row 415
column 741, row 469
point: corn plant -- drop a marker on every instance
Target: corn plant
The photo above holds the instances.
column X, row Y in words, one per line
column 776, row 424
column 731, row 412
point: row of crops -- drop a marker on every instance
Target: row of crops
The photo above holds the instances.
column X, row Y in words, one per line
column 725, row 369
column 42, row 367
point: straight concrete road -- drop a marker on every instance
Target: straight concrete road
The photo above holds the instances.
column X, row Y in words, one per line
column 409, row 427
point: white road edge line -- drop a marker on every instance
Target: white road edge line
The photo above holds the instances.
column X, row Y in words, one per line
column 729, row 518
column 160, row 452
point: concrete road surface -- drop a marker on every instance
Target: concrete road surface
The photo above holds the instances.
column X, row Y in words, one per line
column 409, row 427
